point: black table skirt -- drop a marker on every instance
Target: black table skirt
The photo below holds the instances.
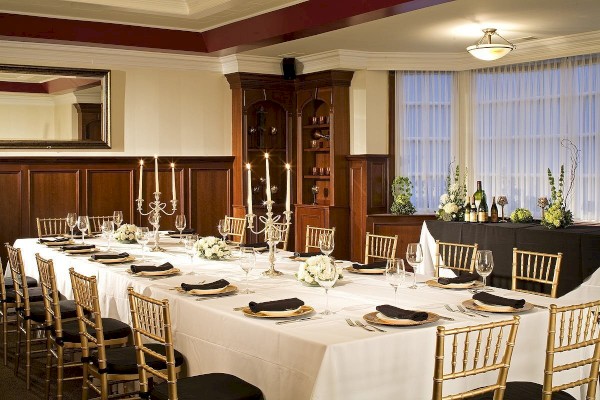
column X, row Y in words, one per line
column 580, row 245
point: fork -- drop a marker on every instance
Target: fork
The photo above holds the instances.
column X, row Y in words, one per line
column 370, row 326
column 349, row 321
column 462, row 310
column 365, row 327
column 458, row 311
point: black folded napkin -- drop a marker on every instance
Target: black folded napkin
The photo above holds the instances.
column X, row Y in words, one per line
column 308, row 254
column 373, row 265
column 109, row 256
column 151, row 268
column 464, row 278
column 255, row 245
column 276, row 305
column 186, row 231
column 220, row 284
column 399, row 313
column 57, row 239
column 497, row 300
column 78, row 247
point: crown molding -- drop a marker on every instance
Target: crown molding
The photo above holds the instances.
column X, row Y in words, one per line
column 250, row 63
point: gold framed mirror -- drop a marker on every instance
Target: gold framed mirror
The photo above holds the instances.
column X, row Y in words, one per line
column 48, row 107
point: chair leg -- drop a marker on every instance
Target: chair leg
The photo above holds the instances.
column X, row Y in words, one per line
column 84, row 387
column 104, row 387
column 48, row 363
column 18, row 348
column 5, row 333
column 59, row 372
column 27, row 352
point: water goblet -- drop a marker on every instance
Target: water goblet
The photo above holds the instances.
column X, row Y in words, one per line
column 414, row 256
column 189, row 242
column 395, row 275
column 118, row 218
column 180, row 223
column 142, row 235
column 223, row 228
column 326, row 243
column 502, row 201
column 71, row 221
column 247, row 260
column 484, row 264
column 326, row 276
column 154, row 220
column 107, row 231
column 83, row 224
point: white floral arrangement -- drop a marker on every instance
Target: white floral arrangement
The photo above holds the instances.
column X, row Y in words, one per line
column 316, row 266
column 557, row 215
column 212, row 248
column 125, row 233
column 452, row 203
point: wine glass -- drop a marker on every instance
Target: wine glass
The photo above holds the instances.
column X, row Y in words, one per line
column 414, row 256
column 142, row 235
column 107, row 231
column 247, row 262
column 154, row 220
column 395, row 275
column 118, row 218
column 71, row 221
column 326, row 243
column 273, row 236
column 189, row 242
column 326, row 277
column 484, row 264
column 83, row 225
column 180, row 225
column 223, row 228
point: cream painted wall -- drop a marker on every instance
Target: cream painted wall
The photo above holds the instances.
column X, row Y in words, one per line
column 369, row 112
column 24, row 121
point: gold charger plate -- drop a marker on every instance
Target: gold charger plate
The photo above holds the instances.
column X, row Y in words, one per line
column 55, row 244
column 373, row 318
column 93, row 235
column 113, row 260
column 368, row 271
column 471, row 305
column 83, row 251
column 467, row 285
column 169, row 272
column 303, row 310
column 209, row 292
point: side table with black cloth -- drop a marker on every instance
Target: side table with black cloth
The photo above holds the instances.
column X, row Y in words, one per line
column 580, row 245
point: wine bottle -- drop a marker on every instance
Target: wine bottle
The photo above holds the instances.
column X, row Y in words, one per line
column 468, row 210
column 473, row 210
column 478, row 195
column 482, row 210
column 494, row 211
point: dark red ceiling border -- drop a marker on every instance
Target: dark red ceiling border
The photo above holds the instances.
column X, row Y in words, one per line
column 301, row 20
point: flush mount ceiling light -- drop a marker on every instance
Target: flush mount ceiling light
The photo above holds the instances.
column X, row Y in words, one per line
column 488, row 51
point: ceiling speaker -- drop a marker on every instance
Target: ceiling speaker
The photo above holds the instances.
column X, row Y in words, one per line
column 288, row 65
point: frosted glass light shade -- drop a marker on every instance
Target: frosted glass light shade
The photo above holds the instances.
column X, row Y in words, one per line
column 489, row 52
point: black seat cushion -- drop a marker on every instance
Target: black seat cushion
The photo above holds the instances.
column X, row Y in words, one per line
column 35, row 295
column 112, row 328
column 215, row 386
column 68, row 309
column 525, row 391
column 122, row 360
column 8, row 282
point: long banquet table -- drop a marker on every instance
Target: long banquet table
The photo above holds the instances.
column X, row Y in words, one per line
column 322, row 358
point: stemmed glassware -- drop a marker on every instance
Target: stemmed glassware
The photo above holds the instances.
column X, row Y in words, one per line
column 326, row 277
column 154, row 220
column 484, row 263
column 247, row 262
column 189, row 242
column 395, row 275
column 118, row 218
column 223, row 228
column 71, row 221
column 180, row 223
column 502, row 201
column 83, row 225
column 326, row 243
column 142, row 235
column 107, row 231
column 414, row 256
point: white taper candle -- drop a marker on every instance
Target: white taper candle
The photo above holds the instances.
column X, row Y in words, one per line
column 156, row 173
column 268, row 177
column 141, row 178
column 249, row 189
column 287, row 192
column 173, row 181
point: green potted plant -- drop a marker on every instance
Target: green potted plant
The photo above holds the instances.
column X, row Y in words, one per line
column 402, row 189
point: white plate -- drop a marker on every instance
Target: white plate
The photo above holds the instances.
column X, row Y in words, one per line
column 284, row 313
column 201, row 292
column 114, row 260
column 168, row 272
column 83, row 251
column 494, row 306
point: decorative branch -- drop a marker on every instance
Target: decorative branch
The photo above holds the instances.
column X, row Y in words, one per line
column 574, row 155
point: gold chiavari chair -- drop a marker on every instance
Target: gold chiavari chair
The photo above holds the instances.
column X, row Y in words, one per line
column 312, row 237
column 52, row 227
column 151, row 319
column 541, row 269
column 285, row 228
column 378, row 247
column 571, row 330
column 237, row 229
column 476, row 349
column 455, row 256
column 95, row 224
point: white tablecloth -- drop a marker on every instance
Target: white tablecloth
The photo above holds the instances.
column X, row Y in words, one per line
column 317, row 359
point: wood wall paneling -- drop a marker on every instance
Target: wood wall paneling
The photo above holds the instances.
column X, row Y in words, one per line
column 11, row 208
column 211, row 191
column 108, row 191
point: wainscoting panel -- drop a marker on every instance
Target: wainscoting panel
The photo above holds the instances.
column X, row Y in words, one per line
column 211, row 191
column 10, row 206
column 115, row 189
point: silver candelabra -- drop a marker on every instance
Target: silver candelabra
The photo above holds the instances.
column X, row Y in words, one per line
column 271, row 232
column 156, row 209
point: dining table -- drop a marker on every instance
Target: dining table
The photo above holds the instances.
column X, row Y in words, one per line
column 317, row 356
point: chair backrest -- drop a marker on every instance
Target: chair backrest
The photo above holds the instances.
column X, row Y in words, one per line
column 151, row 319
column 474, row 350
column 570, row 329
column 17, row 272
column 540, row 270
column 85, row 292
column 52, row 226
column 312, row 236
column 378, row 247
column 237, row 229
column 455, row 256
column 95, row 223
column 286, row 234
column 50, row 294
